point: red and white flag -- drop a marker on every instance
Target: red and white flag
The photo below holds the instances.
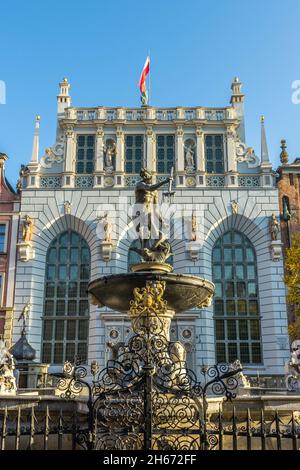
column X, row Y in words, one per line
column 142, row 82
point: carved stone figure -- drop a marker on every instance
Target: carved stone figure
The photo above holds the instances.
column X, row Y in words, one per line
column 7, row 366
column 241, row 377
column 189, row 158
column 24, row 316
column 109, row 152
column 107, row 228
column 150, row 223
column 67, row 207
column 178, row 373
column 27, row 229
column 234, row 207
column 194, row 227
column 159, row 252
column 274, row 228
column 22, row 172
column 292, row 368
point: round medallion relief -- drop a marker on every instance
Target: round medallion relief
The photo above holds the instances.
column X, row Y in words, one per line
column 114, row 334
column 108, row 182
column 190, row 182
column 186, row 334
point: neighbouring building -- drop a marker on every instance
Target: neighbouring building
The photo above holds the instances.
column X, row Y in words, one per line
column 75, row 228
column 289, row 202
column 9, row 222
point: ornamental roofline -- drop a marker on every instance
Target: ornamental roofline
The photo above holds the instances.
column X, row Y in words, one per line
column 141, row 108
column 150, row 114
column 288, row 167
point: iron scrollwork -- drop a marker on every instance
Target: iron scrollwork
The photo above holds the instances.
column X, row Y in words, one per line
column 147, row 398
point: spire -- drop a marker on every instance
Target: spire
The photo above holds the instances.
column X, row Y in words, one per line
column 36, row 141
column 265, row 160
column 284, row 156
column 63, row 99
column 237, row 102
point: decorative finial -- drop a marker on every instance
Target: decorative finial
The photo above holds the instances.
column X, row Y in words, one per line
column 262, row 118
column 236, row 80
column 38, row 117
column 284, row 156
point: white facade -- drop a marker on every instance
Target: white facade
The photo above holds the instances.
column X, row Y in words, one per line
column 242, row 197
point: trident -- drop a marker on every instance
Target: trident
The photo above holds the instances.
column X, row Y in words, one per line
column 169, row 194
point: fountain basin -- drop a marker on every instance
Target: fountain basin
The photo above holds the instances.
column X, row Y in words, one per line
column 183, row 292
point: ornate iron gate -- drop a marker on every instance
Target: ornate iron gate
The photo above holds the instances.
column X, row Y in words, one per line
column 147, row 398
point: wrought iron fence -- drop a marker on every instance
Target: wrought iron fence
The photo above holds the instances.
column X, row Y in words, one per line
column 38, row 427
column 145, row 399
column 41, row 427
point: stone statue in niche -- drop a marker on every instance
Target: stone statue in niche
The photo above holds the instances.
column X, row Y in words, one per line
column 189, row 156
column 107, row 228
column 67, row 207
column 109, row 150
column 274, row 228
column 27, row 229
column 234, row 207
column 194, row 227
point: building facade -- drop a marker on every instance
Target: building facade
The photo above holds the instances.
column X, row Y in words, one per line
column 9, row 224
column 78, row 197
column 289, row 203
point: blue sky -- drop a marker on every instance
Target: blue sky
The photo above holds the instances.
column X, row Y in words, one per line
column 197, row 47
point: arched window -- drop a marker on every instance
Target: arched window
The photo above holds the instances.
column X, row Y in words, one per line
column 134, row 258
column 66, row 308
column 286, row 212
column 236, row 301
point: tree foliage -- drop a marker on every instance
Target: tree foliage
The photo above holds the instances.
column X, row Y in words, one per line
column 292, row 281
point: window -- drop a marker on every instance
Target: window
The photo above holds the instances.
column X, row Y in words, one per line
column 2, row 237
column 85, row 153
column 165, row 151
column 66, row 307
column 214, row 153
column 134, row 153
column 236, row 301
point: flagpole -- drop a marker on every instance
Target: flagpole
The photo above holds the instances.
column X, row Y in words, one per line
column 149, row 78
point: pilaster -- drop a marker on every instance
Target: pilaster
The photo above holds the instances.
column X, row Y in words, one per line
column 200, row 163
column 179, row 149
column 99, row 149
column 231, row 150
column 69, row 169
column 120, row 158
column 151, row 149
